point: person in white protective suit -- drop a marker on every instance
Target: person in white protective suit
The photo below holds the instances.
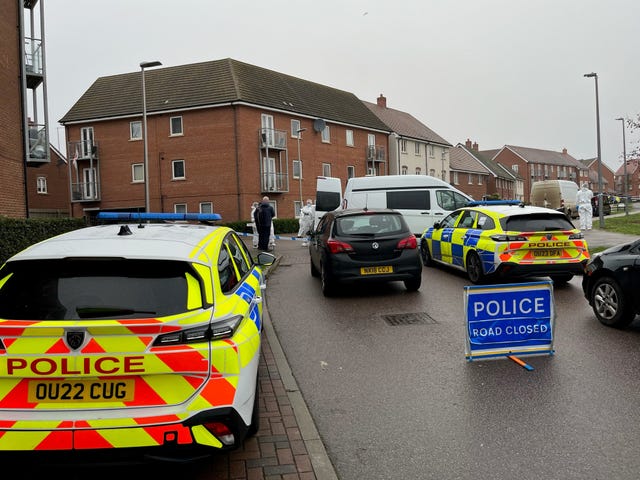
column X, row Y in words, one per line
column 585, row 210
column 254, row 229
column 306, row 220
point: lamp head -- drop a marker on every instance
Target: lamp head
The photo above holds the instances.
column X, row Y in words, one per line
column 154, row 63
column 592, row 74
column 621, row 119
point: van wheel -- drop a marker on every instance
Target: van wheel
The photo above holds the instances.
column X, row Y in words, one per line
column 474, row 268
column 427, row 261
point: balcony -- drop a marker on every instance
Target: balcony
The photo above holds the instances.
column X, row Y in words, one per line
column 273, row 139
column 38, row 148
column 376, row 154
column 84, row 163
column 274, row 182
column 33, row 63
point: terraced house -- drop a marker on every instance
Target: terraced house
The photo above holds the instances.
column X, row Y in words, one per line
column 219, row 136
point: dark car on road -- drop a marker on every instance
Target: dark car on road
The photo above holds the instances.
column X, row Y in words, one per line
column 611, row 284
column 364, row 245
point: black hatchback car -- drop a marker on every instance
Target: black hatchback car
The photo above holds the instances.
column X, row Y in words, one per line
column 611, row 283
column 364, row 245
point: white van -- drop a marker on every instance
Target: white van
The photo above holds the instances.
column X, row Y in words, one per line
column 557, row 194
column 422, row 199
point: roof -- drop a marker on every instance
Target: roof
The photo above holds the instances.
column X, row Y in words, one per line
column 405, row 124
column 512, row 210
column 499, row 170
column 216, row 83
column 463, row 160
column 550, row 157
column 632, row 167
column 155, row 241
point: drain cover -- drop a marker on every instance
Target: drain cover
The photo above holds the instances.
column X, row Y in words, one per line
column 420, row 318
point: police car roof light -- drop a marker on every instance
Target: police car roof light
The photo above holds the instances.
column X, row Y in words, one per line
column 157, row 216
column 475, row 203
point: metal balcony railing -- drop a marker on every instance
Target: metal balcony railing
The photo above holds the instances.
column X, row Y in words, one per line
column 83, row 150
column 85, row 192
column 38, row 151
column 376, row 154
column 271, row 138
column 275, row 182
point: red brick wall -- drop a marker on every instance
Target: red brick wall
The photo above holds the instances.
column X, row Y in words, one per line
column 56, row 200
column 220, row 147
column 12, row 161
column 508, row 159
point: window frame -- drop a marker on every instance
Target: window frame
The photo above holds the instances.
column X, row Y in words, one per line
column 171, row 131
column 177, row 207
column 326, row 169
column 295, row 133
column 134, row 167
column 174, row 163
column 41, row 185
column 131, row 130
column 297, row 165
column 326, row 134
column 351, row 171
column 349, row 138
column 205, row 203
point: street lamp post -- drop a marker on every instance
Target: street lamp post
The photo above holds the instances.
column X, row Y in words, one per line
column 600, row 206
column 144, row 65
column 298, row 132
column 624, row 159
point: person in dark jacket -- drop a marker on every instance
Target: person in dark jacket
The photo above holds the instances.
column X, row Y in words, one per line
column 263, row 217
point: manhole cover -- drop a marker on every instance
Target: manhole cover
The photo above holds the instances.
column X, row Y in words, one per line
column 419, row 318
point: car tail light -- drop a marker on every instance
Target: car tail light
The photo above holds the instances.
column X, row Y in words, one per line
column 216, row 331
column 508, row 238
column 336, row 246
column 221, row 431
column 408, row 243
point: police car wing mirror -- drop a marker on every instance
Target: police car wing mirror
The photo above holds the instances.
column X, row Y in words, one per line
column 436, row 225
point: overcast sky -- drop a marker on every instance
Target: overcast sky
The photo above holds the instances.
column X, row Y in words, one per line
column 494, row 71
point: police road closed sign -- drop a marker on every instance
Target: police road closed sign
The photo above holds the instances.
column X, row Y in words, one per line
column 512, row 319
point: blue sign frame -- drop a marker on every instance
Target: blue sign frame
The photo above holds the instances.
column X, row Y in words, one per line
column 512, row 319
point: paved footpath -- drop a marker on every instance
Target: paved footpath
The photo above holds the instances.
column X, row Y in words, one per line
column 287, row 446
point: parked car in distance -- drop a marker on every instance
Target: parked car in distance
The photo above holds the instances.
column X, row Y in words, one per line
column 364, row 245
column 611, row 284
column 606, row 210
column 495, row 239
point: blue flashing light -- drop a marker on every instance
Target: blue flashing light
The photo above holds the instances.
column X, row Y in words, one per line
column 475, row 203
column 158, row 216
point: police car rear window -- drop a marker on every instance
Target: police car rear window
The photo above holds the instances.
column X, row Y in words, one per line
column 536, row 223
column 87, row 289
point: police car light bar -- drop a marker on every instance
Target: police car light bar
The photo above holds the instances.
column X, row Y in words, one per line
column 475, row 203
column 157, row 216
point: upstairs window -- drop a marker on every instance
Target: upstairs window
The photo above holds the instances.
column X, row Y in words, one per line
column 41, row 185
column 137, row 172
column 135, row 130
column 349, row 138
column 326, row 135
column 176, row 126
column 177, row 169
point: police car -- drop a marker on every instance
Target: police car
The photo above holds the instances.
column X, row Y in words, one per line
column 138, row 337
column 495, row 239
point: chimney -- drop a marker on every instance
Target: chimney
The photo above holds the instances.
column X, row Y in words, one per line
column 468, row 144
column 564, row 151
column 475, row 146
column 382, row 101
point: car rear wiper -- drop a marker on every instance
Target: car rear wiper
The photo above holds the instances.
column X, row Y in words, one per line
column 106, row 311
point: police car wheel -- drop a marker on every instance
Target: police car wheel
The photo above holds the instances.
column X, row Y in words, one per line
column 609, row 304
column 427, row 261
column 474, row 268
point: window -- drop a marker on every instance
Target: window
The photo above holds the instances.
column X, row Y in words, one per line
column 409, row 199
column 135, row 130
column 470, row 181
column 479, row 179
column 326, row 134
column 405, row 170
column 417, row 148
column 180, row 207
column 176, row 125
column 41, row 185
column 351, row 171
column 177, row 168
column 455, row 178
column 295, row 126
column 349, row 139
column 206, row 207
column 418, row 170
column 326, row 169
column 137, row 172
column 226, row 271
column 403, row 146
column 237, row 255
column 450, row 200
column 297, row 169
column 432, row 172
column 430, row 150
column 297, row 208
column 514, row 168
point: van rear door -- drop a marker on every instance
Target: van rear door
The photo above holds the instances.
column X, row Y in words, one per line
column 328, row 196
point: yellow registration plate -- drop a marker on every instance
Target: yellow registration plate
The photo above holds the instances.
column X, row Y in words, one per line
column 376, row 270
column 547, row 253
column 81, row 390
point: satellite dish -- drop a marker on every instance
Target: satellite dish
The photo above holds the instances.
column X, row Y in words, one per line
column 319, row 124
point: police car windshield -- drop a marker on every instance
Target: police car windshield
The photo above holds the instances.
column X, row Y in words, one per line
column 542, row 222
column 93, row 288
